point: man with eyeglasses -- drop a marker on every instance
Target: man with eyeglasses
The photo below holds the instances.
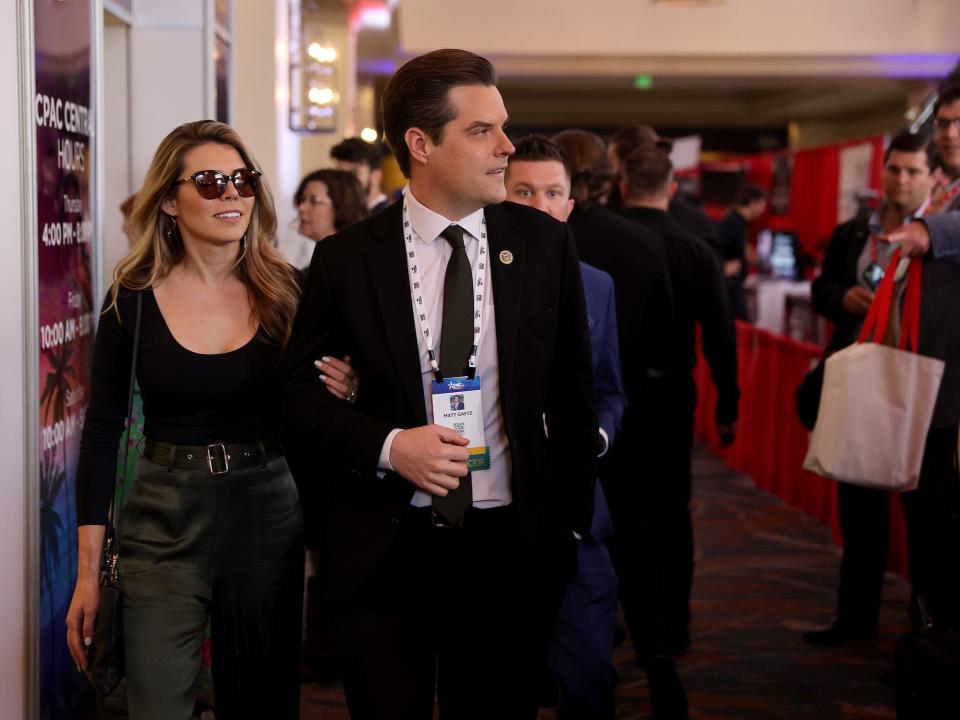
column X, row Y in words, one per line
column 931, row 511
column 939, row 230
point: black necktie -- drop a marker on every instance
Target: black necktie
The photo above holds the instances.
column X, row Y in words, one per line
column 456, row 342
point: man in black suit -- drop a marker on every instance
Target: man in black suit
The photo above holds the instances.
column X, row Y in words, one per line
column 635, row 259
column 700, row 297
column 445, row 580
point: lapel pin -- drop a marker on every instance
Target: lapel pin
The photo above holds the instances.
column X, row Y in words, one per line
column 506, row 257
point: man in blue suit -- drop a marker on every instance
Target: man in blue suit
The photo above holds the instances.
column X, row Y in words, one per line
column 581, row 651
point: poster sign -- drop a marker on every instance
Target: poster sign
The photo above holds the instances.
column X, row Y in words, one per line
column 64, row 127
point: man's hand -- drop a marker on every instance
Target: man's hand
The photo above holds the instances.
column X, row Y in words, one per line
column 728, row 433
column 856, row 301
column 912, row 237
column 432, row 457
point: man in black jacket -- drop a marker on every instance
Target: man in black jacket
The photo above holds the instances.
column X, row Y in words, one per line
column 700, row 297
column 731, row 244
column 445, row 565
column 853, row 264
column 635, row 259
column 631, row 138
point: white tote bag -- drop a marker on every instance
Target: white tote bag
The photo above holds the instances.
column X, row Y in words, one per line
column 877, row 401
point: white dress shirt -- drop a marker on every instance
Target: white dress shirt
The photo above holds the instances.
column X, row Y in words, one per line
column 491, row 488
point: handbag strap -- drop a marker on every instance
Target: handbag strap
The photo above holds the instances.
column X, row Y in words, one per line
column 910, row 326
column 875, row 326
column 122, row 474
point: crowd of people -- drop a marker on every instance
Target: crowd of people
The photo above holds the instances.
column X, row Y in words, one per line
column 476, row 415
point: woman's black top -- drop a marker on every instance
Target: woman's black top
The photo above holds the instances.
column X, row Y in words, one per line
column 188, row 398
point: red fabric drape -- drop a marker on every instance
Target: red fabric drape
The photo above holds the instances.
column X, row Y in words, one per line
column 771, row 443
column 814, row 188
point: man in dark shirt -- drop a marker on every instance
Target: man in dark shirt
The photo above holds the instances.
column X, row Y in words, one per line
column 732, row 242
column 630, row 138
column 699, row 298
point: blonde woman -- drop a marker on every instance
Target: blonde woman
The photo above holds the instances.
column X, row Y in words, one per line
column 212, row 528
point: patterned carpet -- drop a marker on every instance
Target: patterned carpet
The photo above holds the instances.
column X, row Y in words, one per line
column 765, row 573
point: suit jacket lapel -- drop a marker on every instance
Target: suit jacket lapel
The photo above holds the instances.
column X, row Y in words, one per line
column 507, row 275
column 386, row 262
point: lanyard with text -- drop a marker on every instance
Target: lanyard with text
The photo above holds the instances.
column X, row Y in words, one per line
column 943, row 196
column 413, row 272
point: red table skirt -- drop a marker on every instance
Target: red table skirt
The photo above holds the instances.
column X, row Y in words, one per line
column 771, row 443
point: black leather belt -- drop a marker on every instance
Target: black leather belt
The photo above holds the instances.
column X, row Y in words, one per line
column 216, row 458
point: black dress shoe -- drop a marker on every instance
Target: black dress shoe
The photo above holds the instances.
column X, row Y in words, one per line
column 667, row 697
column 838, row 634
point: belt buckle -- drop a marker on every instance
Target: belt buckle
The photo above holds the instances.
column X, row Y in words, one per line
column 214, row 457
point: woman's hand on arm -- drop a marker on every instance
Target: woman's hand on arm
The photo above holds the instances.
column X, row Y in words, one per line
column 86, row 593
column 339, row 376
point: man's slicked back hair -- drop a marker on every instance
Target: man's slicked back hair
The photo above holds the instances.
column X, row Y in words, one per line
column 418, row 95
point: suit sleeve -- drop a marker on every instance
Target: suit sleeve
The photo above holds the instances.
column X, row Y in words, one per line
column 719, row 338
column 833, row 282
column 944, row 230
column 571, row 407
column 312, row 417
column 611, row 396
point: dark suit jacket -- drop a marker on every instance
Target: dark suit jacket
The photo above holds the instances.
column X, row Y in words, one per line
column 635, row 259
column 837, row 275
column 939, row 319
column 693, row 219
column 700, row 296
column 940, row 334
column 684, row 213
column 598, row 292
column 357, row 301
column 611, row 397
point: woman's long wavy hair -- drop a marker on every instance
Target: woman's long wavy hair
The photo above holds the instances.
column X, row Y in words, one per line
column 158, row 247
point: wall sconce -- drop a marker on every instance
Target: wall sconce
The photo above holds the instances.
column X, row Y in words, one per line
column 314, row 76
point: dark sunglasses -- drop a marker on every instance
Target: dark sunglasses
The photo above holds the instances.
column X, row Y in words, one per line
column 212, row 184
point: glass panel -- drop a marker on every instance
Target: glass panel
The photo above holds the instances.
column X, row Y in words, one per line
column 221, row 58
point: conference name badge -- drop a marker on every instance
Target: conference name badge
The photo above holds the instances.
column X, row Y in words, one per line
column 458, row 405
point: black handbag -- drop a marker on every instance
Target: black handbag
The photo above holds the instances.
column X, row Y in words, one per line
column 105, row 662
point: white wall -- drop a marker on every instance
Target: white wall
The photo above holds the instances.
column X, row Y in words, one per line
column 13, row 552
column 117, row 184
column 168, row 84
column 261, row 105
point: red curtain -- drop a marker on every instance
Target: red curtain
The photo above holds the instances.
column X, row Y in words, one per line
column 814, row 188
column 771, row 443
